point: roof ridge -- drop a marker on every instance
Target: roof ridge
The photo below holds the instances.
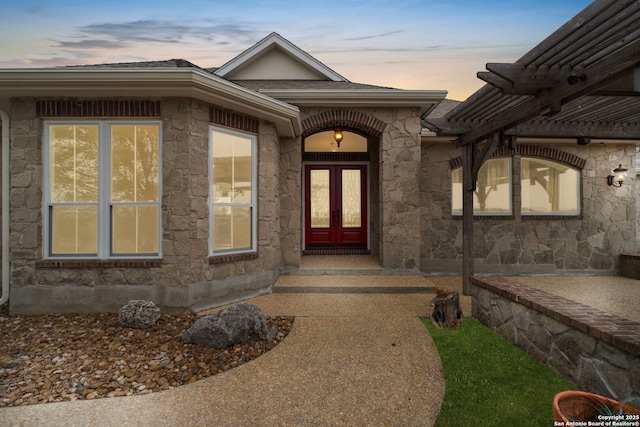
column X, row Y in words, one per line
column 174, row 62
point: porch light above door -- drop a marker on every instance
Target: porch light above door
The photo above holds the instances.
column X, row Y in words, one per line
column 338, row 136
column 618, row 177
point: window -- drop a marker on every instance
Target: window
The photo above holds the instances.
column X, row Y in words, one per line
column 549, row 188
column 233, row 192
column 323, row 142
column 493, row 189
column 102, row 189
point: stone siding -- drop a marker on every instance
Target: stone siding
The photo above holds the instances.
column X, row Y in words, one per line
column 399, row 190
column 597, row 351
column 291, row 209
column 394, row 168
column 184, row 278
column 520, row 244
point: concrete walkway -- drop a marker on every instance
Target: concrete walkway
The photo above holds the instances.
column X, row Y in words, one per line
column 352, row 359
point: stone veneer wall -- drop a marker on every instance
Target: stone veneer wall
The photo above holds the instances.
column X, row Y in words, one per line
column 290, row 187
column 517, row 244
column 400, row 157
column 185, row 278
column 597, row 351
column 394, row 170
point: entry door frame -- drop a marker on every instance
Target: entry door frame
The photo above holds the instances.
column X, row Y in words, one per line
column 367, row 187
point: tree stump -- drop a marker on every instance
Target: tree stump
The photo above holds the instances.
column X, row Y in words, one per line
column 446, row 309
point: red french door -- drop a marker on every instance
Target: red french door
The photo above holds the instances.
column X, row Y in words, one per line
column 336, row 206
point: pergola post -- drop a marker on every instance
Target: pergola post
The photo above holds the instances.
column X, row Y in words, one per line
column 468, row 184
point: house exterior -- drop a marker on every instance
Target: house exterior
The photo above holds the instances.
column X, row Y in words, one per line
column 197, row 187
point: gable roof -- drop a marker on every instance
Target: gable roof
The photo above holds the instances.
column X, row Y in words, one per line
column 257, row 55
column 306, row 82
column 269, row 97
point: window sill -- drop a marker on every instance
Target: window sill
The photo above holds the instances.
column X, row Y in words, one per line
column 100, row 263
column 495, row 217
column 219, row 259
column 551, row 216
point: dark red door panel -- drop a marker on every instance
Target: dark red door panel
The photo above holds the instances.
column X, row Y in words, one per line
column 336, row 206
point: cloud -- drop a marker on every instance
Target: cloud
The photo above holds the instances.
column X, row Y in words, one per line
column 165, row 31
column 373, row 36
column 34, row 9
column 453, row 47
column 90, row 44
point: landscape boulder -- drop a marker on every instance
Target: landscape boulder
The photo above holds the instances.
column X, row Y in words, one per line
column 236, row 324
column 139, row 314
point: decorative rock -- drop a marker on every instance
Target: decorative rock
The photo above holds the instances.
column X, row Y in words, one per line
column 92, row 348
column 236, row 324
column 139, row 314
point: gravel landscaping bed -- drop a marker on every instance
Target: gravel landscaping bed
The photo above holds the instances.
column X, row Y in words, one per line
column 61, row 357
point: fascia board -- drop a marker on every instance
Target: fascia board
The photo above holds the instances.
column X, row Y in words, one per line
column 156, row 83
column 425, row 99
column 430, row 136
column 267, row 43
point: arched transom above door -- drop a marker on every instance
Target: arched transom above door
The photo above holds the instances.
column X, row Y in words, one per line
column 353, row 120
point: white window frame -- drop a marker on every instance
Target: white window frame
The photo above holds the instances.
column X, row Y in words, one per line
column 253, row 205
column 104, row 189
column 509, row 212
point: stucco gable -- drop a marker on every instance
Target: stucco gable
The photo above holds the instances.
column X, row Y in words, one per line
column 275, row 58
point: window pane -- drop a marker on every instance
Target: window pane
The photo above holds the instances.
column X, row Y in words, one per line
column 135, row 163
column 232, row 168
column 222, row 228
column 232, row 177
column 549, row 187
column 351, row 198
column 319, row 198
column 74, row 230
column 135, row 229
column 222, row 166
column 493, row 188
column 323, row 142
column 241, row 170
column 241, row 227
column 231, row 228
column 73, row 163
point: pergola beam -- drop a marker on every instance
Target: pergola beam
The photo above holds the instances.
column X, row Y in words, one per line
column 574, row 130
column 596, row 77
column 516, row 79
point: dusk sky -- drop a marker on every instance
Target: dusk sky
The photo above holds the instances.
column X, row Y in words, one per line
column 425, row 44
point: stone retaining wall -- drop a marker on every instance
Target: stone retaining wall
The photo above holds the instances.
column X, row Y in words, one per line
column 597, row 351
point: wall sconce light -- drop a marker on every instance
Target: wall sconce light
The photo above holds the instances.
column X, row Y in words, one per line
column 619, row 174
column 338, row 136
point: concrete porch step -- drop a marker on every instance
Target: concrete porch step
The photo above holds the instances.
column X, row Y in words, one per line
column 351, row 290
column 353, row 284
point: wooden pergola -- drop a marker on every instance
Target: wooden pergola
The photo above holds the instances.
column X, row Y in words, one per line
column 582, row 82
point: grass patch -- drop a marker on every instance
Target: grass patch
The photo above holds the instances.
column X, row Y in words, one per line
column 491, row 382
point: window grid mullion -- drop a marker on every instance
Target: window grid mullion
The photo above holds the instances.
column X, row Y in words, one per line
column 104, row 200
